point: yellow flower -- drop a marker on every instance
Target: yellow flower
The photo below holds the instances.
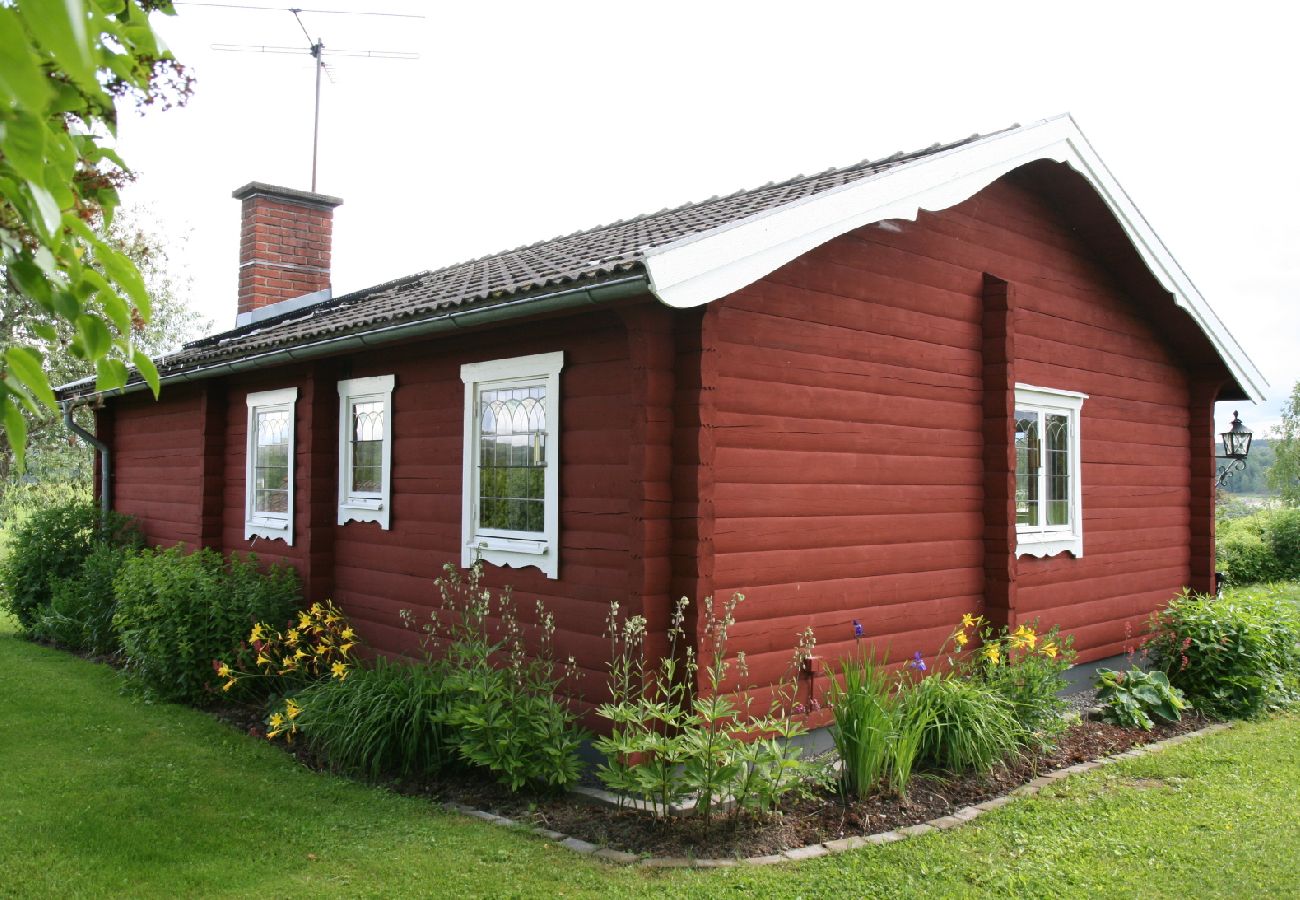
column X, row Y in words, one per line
column 256, row 633
column 347, row 633
column 262, row 660
column 299, row 654
column 992, row 654
column 344, row 648
column 229, row 684
column 320, row 649
column 292, row 709
column 292, row 637
column 1049, row 649
column 315, row 609
column 339, row 671
column 223, row 671
column 276, row 720
column 967, row 620
column 962, row 639
column 304, row 619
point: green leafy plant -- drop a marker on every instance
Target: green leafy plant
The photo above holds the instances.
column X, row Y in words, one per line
column 1131, row 699
column 80, row 613
column 179, row 611
column 504, row 714
column 384, row 718
column 1235, row 655
column 667, row 741
column 53, row 544
column 970, row 725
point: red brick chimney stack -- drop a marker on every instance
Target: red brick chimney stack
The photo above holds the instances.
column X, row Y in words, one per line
column 284, row 244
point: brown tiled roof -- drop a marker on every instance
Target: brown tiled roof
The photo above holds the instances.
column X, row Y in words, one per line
column 592, row 256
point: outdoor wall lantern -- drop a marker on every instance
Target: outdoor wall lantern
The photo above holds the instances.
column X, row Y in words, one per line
column 1236, row 447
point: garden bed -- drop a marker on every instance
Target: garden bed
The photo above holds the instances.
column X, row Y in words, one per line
column 814, row 820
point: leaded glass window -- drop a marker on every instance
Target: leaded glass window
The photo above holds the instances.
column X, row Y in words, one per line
column 268, row 494
column 1048, row 504
column 367, row 467
column 512, row 458
column 271, row 463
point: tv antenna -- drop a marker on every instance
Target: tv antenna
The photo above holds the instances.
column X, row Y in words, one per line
column 316, row 47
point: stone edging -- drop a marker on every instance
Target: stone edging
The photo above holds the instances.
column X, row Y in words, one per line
column 960, row 817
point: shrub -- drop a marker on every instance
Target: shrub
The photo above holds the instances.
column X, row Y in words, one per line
column 1283, row 532
column 177, row 612
column 971, row 726
column 52, row 544
column 1242, row 552
column 382, row 719
column 80, row 613
column 1130, row 699
column 1235, row 655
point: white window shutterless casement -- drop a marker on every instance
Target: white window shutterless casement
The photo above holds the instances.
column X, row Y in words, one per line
column 268, row 473
column 366, row 449
column 1049, row 494
column 511, row 486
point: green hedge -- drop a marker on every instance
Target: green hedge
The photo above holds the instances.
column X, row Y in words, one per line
column 1261, row 547
column 177, row 612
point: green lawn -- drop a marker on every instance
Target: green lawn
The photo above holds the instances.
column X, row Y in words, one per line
column 102, row 795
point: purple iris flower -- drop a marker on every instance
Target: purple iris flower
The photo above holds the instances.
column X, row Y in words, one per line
column 918, row 662
column 857, row 628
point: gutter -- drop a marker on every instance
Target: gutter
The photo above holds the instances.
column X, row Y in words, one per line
column 105, row 454
column 451, row 320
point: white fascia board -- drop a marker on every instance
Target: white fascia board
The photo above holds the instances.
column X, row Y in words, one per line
column 706, row 266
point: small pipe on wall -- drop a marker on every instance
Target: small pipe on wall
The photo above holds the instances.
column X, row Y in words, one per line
column 105, row 455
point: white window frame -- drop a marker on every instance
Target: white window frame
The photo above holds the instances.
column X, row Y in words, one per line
column 495, row 547
column 274, row 526
column 367, row 506
column 1049, row 540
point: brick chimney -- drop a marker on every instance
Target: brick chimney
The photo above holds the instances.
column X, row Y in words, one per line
column 284, row 244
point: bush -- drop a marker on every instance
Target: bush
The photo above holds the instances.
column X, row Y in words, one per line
column 178, row 612
column 1235, row 655
column 384, row 719
column 1025, row 667
column 1261, row 547
column 52, row 544
column 1130, row 699
column 971, row 726
column 80, row 613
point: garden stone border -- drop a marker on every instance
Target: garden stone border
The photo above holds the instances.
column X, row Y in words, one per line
column 840, row 845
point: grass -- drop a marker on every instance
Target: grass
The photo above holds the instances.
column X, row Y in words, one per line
column 101, row 795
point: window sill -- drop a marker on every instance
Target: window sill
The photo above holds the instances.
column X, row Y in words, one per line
column 364, row 509
column 1043, row 544
column 512, row 552
column 271, row 529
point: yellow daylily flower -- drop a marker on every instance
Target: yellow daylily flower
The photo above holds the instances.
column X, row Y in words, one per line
column 299, row 654
column 339, row 671
column 344, row 648
column 967, row 620
column 276, row 720
column 223, row 671
column 347, row 633
column 1049, row 650
column 262, row 660
column 992, row 654
column 962, row 639
column 315, row 609
column 292, row 637
column 292, row 709
column 229, row 684
column 304, row 619
column 256, row 633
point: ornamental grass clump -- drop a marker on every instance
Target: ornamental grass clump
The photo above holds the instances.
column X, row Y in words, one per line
column 970, row 726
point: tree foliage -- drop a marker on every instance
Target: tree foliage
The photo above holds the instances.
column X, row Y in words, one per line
column 1284, row 474
column 65, row 67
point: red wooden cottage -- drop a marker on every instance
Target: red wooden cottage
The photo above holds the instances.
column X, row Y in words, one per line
column 969, row 378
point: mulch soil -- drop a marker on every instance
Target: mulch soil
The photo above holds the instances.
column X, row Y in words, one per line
column 822, row 817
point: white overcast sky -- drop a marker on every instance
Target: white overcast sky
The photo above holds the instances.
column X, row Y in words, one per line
column 521, row 121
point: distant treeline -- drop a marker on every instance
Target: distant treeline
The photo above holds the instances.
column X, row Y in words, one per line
column 1254, row 479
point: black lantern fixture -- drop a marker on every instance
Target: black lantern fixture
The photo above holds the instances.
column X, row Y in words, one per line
column 1236, row 447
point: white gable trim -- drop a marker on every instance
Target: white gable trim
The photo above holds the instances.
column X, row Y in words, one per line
column 712, row 264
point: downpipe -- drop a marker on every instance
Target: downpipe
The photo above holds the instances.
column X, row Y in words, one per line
column 105, row 454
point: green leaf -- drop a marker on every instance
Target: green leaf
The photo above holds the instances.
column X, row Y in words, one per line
column 26, row 365
column 50, row 215
column 95, row 339
column 20, row 77
column 147, row 369
column 24, row 146
column 110, row 373
column 15, row 428
column 60, row 28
